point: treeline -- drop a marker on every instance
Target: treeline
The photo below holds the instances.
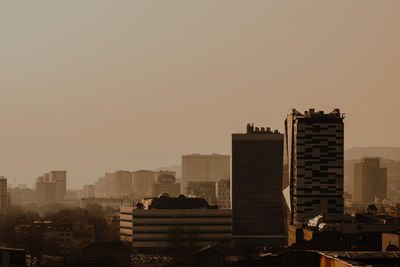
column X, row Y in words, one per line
column 93, row 215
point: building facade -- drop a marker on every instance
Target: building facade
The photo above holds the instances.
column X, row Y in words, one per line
column 223, row 191
column 88, row 191
column 165, row 183
column 174, row 222
column 314, row 158
column 256, row 183
column 118, row 183
column 204, row 168
column 100, row 187
column 141, row 182
column 370, row 181
column 51, row 186
column 3, row 196
column 206, row 190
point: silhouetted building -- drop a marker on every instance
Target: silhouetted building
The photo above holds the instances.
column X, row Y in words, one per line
column 314, row 157
column 370, row 181
column 257, row 200
column 118, row 183
column 88, row 191
column 51, row 187
column 204, row 190
column 3, row 196
column 165, row 183
column 174, row 222
column 142, row 181
column 102, row 254
column 204, row 168
column 223, row 191
column 12, row 257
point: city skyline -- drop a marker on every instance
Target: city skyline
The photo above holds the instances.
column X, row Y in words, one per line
column 137, row 85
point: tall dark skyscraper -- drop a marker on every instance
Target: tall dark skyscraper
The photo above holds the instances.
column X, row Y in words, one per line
column 314, row 158
column 257, row 200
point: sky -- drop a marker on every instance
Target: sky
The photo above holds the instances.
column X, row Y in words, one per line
column 96, row 86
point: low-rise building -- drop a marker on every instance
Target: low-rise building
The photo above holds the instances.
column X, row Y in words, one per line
column 51, row 236
column 165, row 183
column 174, row 222
column 206, row 190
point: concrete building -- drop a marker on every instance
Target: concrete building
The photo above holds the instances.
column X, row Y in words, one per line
column 118, row 183
column 141, row 182
column 370, row 181
column 165, row 183
column 206, row 190
column 204, row 168
column 314, row 158
column 174, row 222
column 256, row 183
column 223, row 191
column 3, row 196
column 21, row 196
column 88, row 191
column 100, row 187
column 51, row 187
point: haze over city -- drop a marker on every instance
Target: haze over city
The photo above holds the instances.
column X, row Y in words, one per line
column 98, row 86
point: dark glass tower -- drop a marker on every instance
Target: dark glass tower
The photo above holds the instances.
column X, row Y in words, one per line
column 257, row 200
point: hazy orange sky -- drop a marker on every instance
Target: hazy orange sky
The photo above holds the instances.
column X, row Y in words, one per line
column 95, row 86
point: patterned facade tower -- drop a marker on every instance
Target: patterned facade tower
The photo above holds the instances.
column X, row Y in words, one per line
column 314, row 158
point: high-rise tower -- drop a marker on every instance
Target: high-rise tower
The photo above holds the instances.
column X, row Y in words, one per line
column 370, row 181
column 256, row 186
column 314, row 158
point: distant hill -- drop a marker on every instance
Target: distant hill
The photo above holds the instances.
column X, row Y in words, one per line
column 392, row 153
